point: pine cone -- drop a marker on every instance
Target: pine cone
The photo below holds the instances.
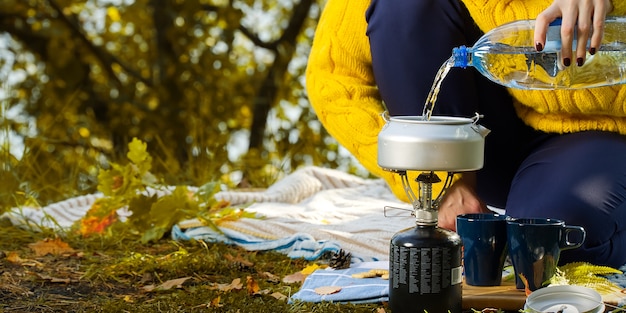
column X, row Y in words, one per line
column 340, row 260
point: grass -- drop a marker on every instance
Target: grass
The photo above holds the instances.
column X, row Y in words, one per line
column 120, row 276
column 117, row 273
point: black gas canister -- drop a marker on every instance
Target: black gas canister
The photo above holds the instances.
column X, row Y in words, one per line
column 425, row 271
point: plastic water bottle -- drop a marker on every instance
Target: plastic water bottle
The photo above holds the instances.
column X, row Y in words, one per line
column 507, row 56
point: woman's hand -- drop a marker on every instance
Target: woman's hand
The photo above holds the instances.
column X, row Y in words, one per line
column 579, row 15
column 460, row 198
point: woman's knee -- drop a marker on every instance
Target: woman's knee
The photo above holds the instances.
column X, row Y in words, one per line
column 574, row 179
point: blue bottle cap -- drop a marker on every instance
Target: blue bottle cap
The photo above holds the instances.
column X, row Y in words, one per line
column 460, row 56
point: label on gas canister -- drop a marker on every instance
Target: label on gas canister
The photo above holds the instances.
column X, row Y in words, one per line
column 424, row 270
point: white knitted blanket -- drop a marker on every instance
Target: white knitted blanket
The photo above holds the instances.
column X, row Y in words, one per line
column 306, row 214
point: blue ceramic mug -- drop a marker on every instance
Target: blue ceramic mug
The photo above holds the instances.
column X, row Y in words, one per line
column 535, row 245
column 484, row 247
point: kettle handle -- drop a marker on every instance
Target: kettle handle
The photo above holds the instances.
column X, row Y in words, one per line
column 476, row 117
column 483, row 131
column 385, row 116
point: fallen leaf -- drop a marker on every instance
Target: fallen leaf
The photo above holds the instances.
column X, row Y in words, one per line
column 297, row 277
column 172, row 283
column 252, row 286
column 310, row 269
column 327, row 290
column 234, row 285
column 382, row 273
column 51, row 246
column 271, row 277
column 53, row 279
column 14, row 258
column 215, row 303
column 238, row 261
column 148, row 288
column 279, row 296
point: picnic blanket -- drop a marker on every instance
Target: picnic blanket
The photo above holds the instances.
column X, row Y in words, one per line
column 353, row 290
column 307, row 213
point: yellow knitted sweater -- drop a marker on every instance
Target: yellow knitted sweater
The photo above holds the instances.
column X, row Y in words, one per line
column 342, row 90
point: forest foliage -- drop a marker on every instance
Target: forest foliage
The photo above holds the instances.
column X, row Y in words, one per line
column 214, row 87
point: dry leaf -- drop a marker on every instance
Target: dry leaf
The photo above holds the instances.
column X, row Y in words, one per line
column 51, row 246
column 148, row 288
column 384, row 274
column 14, row 258
column 239, row 261
column 297, row 277
column 279, row 296
column 327, row 290
column 234, row 285
column 172, row 283
column 215, row 303
column 53, row 279
column 252, row 285
column 381, row 310
column 271, row 277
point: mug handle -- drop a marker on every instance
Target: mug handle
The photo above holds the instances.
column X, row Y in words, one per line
column 565, row 240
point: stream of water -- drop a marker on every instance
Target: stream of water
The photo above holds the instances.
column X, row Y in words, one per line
column 434, row 90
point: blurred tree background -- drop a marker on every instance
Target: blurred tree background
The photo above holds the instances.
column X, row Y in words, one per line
column 214, row 87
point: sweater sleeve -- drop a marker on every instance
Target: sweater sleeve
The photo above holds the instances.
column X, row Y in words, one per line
column 489, row 14
column 341, row 87
column 619, row 7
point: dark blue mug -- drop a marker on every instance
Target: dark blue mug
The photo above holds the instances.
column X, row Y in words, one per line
column 535, row 245
column 484, row 247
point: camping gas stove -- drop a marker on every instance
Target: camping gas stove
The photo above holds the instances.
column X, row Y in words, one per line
column 425, row 271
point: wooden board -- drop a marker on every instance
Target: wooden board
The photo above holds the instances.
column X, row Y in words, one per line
column 505, row 297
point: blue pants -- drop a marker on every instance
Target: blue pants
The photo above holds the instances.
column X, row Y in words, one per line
column 579, row 177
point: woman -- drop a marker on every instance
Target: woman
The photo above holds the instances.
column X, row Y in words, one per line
column 557, row 154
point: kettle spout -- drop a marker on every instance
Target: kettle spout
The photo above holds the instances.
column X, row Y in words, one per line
column 481, row 130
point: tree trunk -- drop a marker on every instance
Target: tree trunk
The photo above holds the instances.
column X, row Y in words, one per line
column 266, row 95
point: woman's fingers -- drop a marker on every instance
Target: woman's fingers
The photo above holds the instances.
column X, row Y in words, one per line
column 542, row 22
column 582, row 21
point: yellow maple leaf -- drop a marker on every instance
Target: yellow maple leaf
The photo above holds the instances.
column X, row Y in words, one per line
column 310, row 269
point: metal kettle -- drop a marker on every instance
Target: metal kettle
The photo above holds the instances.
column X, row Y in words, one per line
column 440, row 143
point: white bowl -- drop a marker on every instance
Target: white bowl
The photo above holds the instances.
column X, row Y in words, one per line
column 564, row 299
